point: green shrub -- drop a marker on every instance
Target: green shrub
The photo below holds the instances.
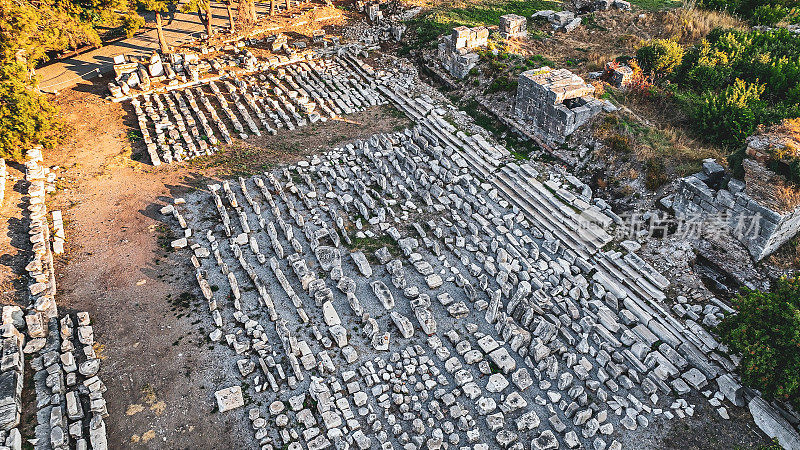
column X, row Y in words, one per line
column 758, row 12
column 27, row 119
column 731, row 117
column 660, row 57
column 655, row 174
column 769, row 15
column 736, row 80
column 766, row 333
column 504, row 83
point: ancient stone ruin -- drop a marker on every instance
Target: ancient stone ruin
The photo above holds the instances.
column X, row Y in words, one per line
column 513, row 26
column 490, row 314
column 554, row 102
column 69, row 404
column 455, row 50
column 753, row 210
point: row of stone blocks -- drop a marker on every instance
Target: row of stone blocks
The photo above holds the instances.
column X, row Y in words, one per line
column 66, row 385
column 758, row 227
column 312, row 94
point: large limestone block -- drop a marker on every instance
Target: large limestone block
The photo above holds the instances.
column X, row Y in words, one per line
column 229, row 398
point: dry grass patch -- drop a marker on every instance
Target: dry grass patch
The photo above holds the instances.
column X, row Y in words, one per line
column 689, row 25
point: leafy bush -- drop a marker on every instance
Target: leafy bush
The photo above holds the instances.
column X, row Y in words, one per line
column 769, row 15
column 759, row 12
column 26, row 117
column 503, row 83
column 732, row 116
column 735, row 80
column 766, row 332
column 659, row 57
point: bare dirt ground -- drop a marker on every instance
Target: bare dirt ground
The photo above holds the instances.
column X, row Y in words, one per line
column 13, row 253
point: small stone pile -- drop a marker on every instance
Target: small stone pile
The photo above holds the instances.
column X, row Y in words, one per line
column 561, row 20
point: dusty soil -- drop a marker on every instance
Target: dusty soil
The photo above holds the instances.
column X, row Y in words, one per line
column 705, row 430
column 14, row 246
column 160, row 379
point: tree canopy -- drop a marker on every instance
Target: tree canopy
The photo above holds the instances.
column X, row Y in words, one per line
column 28, row 32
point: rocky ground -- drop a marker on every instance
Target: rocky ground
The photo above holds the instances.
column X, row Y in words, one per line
column 497, row 332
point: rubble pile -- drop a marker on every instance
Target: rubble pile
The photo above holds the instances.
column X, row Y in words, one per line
column 420, row 288
column 455, row 50
column 554, row 102
column 600, row 5
column 287, row 97
column 562, row 20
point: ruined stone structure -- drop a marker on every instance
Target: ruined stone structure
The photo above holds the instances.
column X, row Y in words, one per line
column 747, row 208
column 555, row 102
column 455, row 50
column 513, row 26
column 619, row 75
column 3, row 173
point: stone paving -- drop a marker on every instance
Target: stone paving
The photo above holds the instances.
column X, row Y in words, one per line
column 423, row 289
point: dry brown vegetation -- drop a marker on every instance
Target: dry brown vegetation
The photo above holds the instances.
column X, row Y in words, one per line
column 689, row 25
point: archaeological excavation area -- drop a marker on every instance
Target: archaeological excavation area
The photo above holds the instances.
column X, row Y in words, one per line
column 310, row 237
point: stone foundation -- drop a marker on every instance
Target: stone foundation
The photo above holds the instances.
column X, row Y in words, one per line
column 750, row 219
column 555, row 102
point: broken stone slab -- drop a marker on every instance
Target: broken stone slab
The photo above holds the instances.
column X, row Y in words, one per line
column 361, row 262
column 383, row 293
column 731, row 389
column 403, row 324
column 229, row 398
column 772, row 424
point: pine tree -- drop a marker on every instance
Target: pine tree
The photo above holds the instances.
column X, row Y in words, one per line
column 158, row 7
column 28, row 31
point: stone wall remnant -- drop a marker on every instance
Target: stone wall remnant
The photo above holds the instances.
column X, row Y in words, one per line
column 743, row 207
column 455, row 50
column 513, row 26
column 555, row 102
